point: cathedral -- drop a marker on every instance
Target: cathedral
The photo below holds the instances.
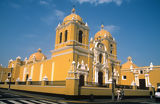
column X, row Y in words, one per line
column 93, row 62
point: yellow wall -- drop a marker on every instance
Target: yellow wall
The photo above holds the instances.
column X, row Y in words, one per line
column 154, row 77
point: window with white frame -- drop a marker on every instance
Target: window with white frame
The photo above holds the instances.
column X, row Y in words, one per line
column 141, row 72
column 124, row 77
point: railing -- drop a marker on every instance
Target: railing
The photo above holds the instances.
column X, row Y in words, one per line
column 2, row 82
column 55, row 83
column 35, row 82
column 145, row 88
column 21, row 83
column 95, row 84
column 124, row 86
column 10, row 82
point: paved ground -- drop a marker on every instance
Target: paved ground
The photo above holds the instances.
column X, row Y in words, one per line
column 19, row 97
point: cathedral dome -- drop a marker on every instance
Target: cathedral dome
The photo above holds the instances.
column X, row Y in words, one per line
column 103, row 33
column 129, row 63
column 73, row 16
column 38, row 56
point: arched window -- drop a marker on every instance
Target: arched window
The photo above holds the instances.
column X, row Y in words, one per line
column 60, row 38
column 80, row 36
column 111, row 46
column 66, row 33
column 100, row 58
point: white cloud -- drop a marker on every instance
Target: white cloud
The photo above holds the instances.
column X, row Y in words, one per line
column 118, row 2
column 96, row 2
column 53, row 16
column 42, row 2
column 59, row 14
column 112, row 28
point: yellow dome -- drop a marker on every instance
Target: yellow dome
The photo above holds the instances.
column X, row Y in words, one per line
column 73, row 16
column 102, row 33
column 128, row 64
column 38, row 56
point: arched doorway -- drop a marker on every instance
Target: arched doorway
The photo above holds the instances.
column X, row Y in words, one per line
column 100, row 78
column 81, row 80
column 26, row 77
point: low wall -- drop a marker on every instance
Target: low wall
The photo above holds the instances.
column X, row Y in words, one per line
column 71, row 88
column 108, row 91
column 37, row 88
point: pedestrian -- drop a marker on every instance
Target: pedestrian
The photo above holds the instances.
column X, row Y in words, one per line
column 151, row 93
column 118, row 94
column 122, row 94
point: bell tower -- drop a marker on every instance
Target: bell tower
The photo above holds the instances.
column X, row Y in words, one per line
column 71, row 44
column 72, row 32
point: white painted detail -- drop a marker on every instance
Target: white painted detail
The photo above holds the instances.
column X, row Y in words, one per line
column 26, row 102
column 45, row 78
column 14, row 102
column 2, row 102
column 32, row 70
column 86, row 24
column 48, row 102
column 123, row 77
column 106, row 77
column 52, row 74
column 18, row 58
column 10, row 60
column 24, row 73
column 18, row 79
column 96, row 76
column 41, row 72
column 7, row 80
column 37, row 102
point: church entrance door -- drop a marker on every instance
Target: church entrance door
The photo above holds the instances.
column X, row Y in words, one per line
column 81, row 80
column 100, row 78
column 142, row 84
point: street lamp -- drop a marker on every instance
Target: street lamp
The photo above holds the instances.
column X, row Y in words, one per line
column 113, row 95
column 10, row 76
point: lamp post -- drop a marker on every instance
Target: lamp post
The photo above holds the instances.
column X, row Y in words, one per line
column 10, row 78
column 113, row 95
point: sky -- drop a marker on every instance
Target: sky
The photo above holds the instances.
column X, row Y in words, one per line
column 26, row 25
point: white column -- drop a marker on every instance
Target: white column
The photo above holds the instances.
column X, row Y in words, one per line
column 106, row 76
column 41, row 72
column 24, row 72
column 149, row 82
column 96, row 76
column 52, row 74
column 146, row 79
column 136, row 80
column 104, row 57
column 86, row 76
column 32, row 68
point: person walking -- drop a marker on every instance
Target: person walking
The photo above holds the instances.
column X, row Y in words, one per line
column 151, row 93
column 118, row 94
column 121, row 94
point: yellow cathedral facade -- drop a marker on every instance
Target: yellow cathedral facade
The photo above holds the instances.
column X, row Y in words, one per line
column 75, row 56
